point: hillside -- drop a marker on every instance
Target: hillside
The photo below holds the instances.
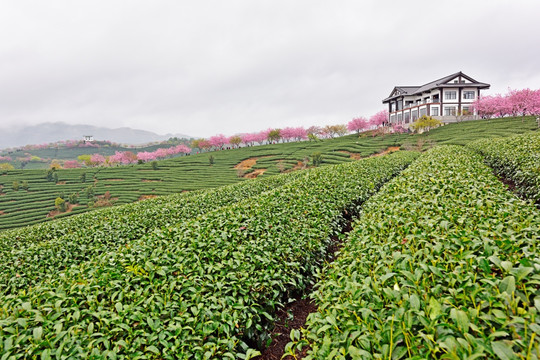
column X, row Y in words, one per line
column 436, row 258
column 126, row 184
column 57, row 131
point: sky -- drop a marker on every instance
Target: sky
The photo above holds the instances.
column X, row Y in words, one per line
column 212, row 66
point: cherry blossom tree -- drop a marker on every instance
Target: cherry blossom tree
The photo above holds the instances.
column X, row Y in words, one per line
column 293, row 134
column 218, row 141
column 71, row 164
column 97, row 160
column 379, row 118
column 358, row 124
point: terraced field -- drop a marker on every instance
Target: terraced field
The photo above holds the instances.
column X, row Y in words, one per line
column 204, row 287
column 127, row 184
column 442, row 262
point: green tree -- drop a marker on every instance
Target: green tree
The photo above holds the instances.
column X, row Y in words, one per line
column 6, row 166
column 24, row 185
column 82, row 177
column 274, row 135
column 316, row 158
column 211, row 160
column 50, row 175
column 73, row 198
column 425, row 123
column 235, row 141
column 60, row 204
column 55, row 177
column 15, row 185
column 154, row 165
column 89, row 192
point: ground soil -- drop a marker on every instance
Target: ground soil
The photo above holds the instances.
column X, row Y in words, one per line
column 391, row 149
column 255, row 173
column 69, row 208
column 246, row 164
column 148, row 180
column 1, row 212
column 144, row 197
column 354, row 156
column 113, row 180
column 294, row 315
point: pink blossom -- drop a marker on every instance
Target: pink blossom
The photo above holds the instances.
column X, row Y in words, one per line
column 71, row 164
column 358, row 124
column 379, row 118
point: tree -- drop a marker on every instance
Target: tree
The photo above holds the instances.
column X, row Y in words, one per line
column 6, row 166
column 73, row 198
column 55, row 165
column 235, row 141
column 55, row 177
column 425, row 123
column 85, row 159
column 340, row 130
column 82, row 177
column 358, row 124
column 274, row 135
column 316, row 158
column 97, row 160
column 89, row 192
column 293, row 133
column 218, row 141
column 15, row 185
column 24, row 185
column 379, row 118
column 211, row 160
column 313, row 130
column 71, row 164
column 60, row 204
column 50, row 175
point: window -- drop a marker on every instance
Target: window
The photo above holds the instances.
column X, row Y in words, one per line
column 435, row 111
column 449, row 111
column 466, row 110
column 414, row 115
column 468, row 94
column 392, row 119
column 407, row 117
column 450, row 95
column 399, row 118
column 423, row 112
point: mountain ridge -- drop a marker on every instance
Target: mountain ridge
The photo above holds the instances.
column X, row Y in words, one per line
column 50, row 132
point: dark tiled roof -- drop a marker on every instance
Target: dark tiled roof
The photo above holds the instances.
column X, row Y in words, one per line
column 412, row 90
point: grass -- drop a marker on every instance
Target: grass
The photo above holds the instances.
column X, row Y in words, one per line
column 131, row 183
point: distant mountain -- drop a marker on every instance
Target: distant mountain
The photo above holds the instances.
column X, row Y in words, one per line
column 52, row 132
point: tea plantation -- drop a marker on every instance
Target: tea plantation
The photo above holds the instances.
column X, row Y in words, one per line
column 442, row 260
column 34, row 200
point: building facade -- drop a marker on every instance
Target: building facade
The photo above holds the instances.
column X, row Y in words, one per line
column 447, row 99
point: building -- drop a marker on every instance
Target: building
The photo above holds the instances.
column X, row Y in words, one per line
column 447, row 99
column 88, row 138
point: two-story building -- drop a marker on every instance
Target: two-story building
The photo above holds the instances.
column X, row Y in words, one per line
column 447, row 99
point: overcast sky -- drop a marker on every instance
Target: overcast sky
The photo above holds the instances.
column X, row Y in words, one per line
column 205, row 67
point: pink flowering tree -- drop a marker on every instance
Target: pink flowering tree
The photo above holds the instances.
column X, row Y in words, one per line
column 398, row 129
column 97, row 160
column 379, row 118
column 293, row 134
column 524, row 102
column 358, row 124
column 218, row 141
column 71, row 164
